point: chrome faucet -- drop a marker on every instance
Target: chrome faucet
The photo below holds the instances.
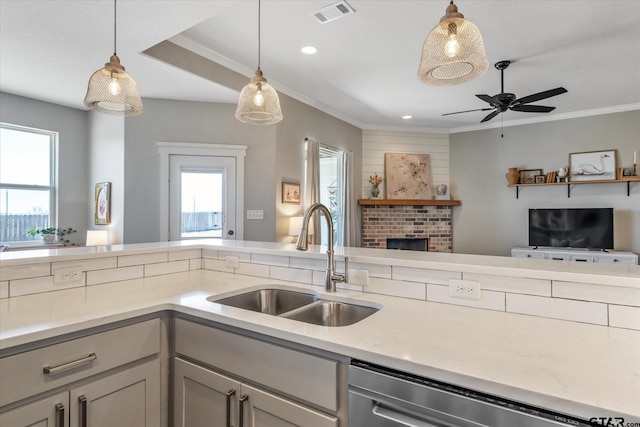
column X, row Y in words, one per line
column 330, row 277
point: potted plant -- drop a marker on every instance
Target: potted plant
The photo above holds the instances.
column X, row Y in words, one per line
column 49, row 234
column 375, row 181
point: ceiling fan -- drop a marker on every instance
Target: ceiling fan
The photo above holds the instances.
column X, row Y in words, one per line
column 507, row 101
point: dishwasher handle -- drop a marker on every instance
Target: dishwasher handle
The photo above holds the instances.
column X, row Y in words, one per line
column 399, row 417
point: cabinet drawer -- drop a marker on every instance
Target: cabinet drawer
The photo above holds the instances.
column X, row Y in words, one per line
column 300, row 375
column 527, row 254
column 582, row 257
column 23, row 375
column 616, row 259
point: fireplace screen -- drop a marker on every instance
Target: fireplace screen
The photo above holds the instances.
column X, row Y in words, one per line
column 409, row 244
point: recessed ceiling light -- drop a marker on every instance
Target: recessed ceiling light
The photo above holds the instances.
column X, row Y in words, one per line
column 407, row 117
column 309, row 50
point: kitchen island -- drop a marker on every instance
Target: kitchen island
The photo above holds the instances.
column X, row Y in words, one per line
column 576, row 367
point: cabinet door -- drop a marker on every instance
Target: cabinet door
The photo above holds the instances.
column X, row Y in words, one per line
column 267, row 410
column 203, row 397
column 48, row 412
column 128, row 398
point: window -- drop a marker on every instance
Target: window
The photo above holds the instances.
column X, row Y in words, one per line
column 27, row 181
column 331, row 190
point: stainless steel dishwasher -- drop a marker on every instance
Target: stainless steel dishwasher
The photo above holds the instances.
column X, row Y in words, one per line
column 381, row 397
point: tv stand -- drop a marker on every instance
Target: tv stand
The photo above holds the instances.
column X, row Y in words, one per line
column 579, row 255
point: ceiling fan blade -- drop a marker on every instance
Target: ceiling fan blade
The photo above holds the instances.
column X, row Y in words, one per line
column 539, row 96
column 468, row 111
column 487, row 98
column 490, row 116
column 533, row 109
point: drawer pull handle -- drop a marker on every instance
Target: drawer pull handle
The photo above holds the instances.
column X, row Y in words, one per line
column 243, row 399
column 229, row 394
column 52, row 370
column 59, row 415
column 83, row 410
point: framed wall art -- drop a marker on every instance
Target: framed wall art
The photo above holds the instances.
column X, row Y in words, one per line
column 103, row 203
column 593, row 166
column 290, row 193
column 408, row 176
column 528, row 176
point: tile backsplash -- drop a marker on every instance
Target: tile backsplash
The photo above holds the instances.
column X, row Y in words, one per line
column 600, row 304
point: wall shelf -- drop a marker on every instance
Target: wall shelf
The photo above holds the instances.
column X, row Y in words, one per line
column 407, row 202
column 627, row 179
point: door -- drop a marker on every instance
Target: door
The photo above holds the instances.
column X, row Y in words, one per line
column 48, row 412
column 264, row 409
column 202, row 197
column 128, row 398
column 203, row 398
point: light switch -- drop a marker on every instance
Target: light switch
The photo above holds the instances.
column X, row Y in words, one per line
column 255, row 214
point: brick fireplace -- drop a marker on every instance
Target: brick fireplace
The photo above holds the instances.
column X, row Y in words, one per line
column 384, row 219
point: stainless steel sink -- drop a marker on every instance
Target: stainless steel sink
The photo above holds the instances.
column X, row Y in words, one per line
column 269, row 301
column 331, row 313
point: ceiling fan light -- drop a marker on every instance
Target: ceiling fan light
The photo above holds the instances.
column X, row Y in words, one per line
column 453, row 52
column 259, row 103
column 112, row 90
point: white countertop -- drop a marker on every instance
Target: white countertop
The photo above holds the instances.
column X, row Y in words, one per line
column 579, row 369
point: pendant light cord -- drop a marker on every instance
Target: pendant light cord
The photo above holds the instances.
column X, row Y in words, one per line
column 258, row 34
column 115, row 9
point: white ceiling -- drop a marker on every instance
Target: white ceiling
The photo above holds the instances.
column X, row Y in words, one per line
column 365, row 68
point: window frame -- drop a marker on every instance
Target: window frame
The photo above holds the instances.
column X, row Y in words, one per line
column 52, row 188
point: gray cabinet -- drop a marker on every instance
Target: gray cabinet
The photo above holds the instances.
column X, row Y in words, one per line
column 205, row 398
column 110, row 378
column 128, row 398
column 48, row 412
column 252, row 382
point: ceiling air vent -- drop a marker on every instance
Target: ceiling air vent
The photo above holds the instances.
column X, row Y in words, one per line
column 333, row 12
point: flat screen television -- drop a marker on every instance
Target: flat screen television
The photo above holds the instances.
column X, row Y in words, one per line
column 590, row 228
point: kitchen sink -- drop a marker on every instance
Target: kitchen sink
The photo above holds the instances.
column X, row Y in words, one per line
column 268, row 301
column 300, row 306
column 332, row 313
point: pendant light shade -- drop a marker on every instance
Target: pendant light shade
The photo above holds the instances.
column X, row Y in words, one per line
column 259, row 103
column 111, row 90
column 453, row 52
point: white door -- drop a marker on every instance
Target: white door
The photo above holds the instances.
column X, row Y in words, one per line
column 202, row 197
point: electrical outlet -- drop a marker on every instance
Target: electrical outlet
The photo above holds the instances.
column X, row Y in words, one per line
column 67, row 275
column 358, row 277
column 467, row 289
column 231, row 262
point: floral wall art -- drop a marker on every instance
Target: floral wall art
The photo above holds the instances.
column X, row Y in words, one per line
column 408, row 176
column 103, row 202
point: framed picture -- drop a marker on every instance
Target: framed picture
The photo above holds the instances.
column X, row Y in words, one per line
column 528, row 176
column 103, row 203
column 541, row 179
column 593, row 166
column 290, row 193
column 408, row 175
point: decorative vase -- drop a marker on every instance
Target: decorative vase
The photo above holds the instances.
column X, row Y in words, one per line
column 375, row 191
column 513, row 176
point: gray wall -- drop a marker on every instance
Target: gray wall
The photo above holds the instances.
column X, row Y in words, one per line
column 300, row 122
column 492, row 221
column 273, row 153
column 71, row 125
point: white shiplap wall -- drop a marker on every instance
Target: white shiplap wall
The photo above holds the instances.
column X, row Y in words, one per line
column 376, row 143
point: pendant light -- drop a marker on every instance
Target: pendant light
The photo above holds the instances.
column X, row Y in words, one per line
column 453, row 52
column 111, row 90
column 259, row 103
